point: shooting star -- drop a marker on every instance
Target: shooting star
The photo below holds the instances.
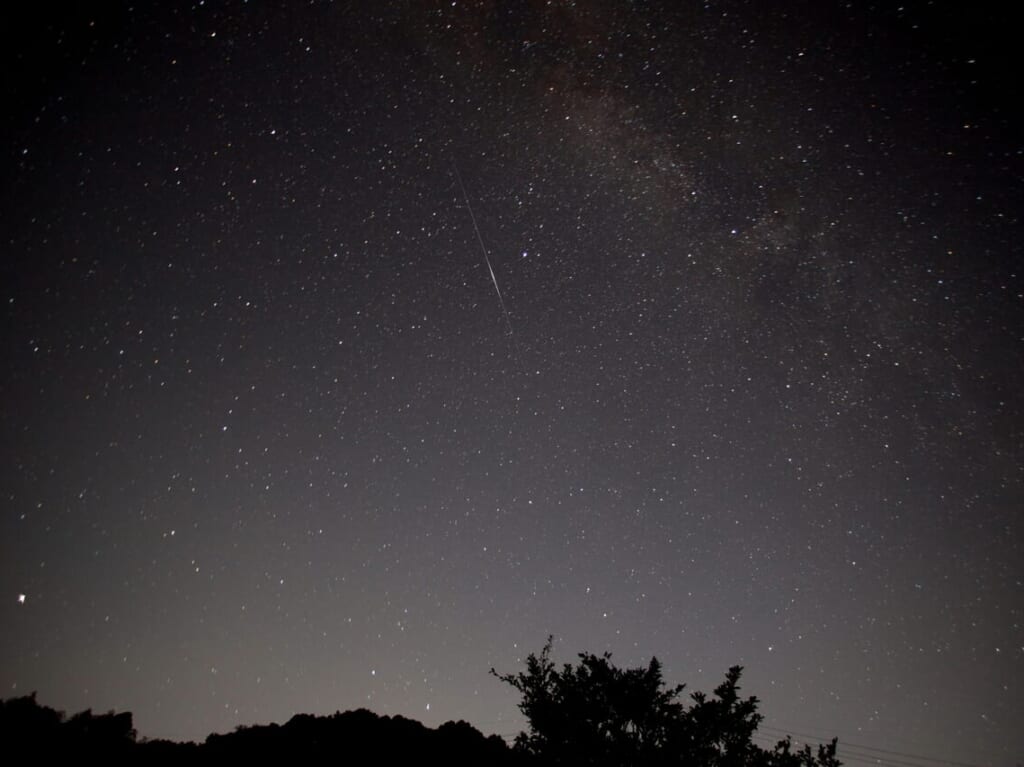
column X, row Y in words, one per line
column 490, row 269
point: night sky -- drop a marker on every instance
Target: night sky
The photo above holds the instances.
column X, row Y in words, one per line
column 728, row 372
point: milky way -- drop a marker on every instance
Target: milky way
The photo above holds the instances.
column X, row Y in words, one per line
column 749, row 392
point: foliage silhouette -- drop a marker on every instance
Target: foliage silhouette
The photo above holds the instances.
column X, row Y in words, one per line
column 592, row 714
column 23, row 720
column 354, row 737
column 597, row 714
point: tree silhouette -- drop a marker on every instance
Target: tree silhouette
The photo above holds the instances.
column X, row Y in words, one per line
column 52, row 735
column 596, row 714
column 39, row 733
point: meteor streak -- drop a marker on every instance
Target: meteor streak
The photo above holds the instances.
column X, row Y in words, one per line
column 487, row 260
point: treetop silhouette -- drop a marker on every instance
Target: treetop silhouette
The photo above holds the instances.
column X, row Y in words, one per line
column 595, row 713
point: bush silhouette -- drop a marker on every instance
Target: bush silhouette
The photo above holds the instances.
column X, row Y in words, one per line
column 597, row 714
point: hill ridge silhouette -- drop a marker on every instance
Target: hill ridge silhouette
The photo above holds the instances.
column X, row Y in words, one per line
column 591, row 714
column 30, row 728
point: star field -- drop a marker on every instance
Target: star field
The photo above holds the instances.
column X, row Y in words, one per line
column 750, row 392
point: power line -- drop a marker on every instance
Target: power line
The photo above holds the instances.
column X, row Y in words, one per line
column 846, row 755
column 849, row 751
column 884, row 751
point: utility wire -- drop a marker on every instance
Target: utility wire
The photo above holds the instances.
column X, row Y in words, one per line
column 886, row 752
